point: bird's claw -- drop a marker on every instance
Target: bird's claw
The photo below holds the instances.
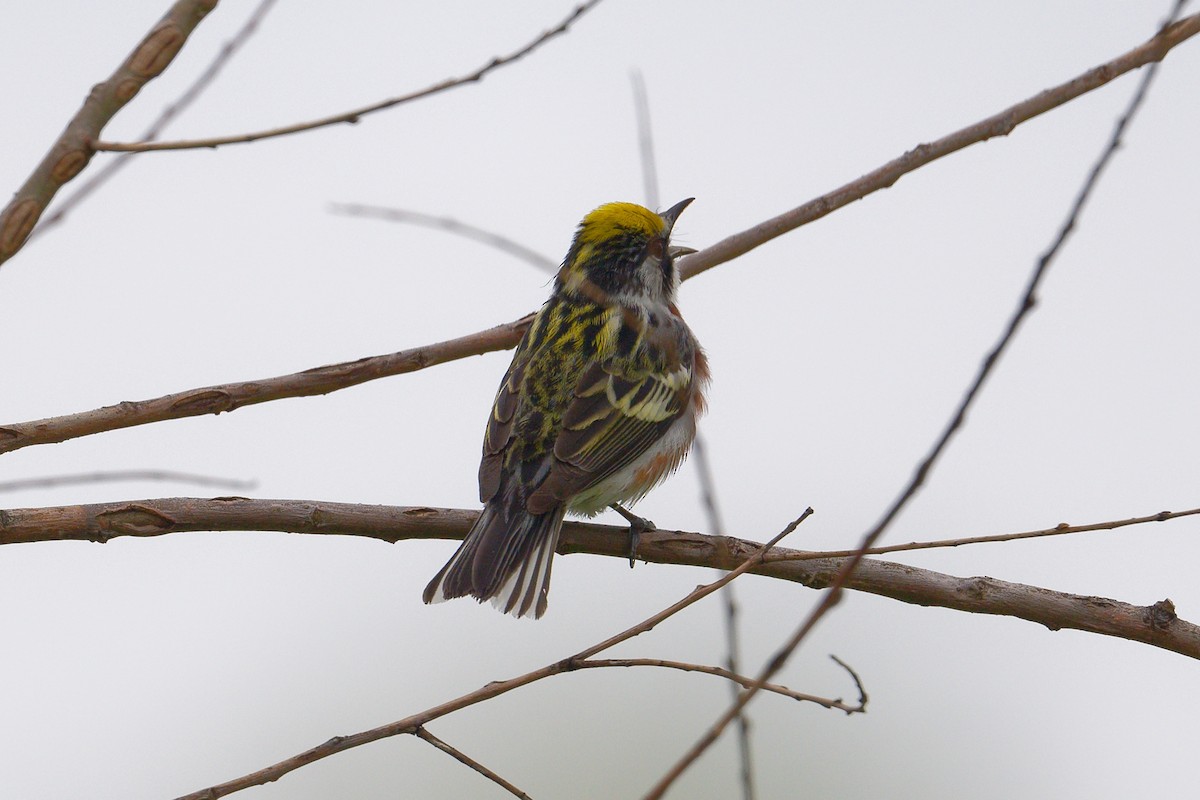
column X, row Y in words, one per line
column 637, row 526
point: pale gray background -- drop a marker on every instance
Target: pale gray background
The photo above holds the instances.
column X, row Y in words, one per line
column 145, row 669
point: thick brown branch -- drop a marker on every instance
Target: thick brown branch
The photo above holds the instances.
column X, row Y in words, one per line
column 999, row 124
column 1154, row 625
column 76, row 144
column 230, row 396
column 352, row 117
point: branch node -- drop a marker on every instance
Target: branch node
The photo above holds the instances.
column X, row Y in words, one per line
column 156, row 51
column 1160, row 615
column 69, row 165
column 16, row 225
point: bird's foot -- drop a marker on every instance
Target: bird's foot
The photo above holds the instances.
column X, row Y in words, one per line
column 637, row 526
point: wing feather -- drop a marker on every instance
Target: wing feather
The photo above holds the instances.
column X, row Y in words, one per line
column 613, row 418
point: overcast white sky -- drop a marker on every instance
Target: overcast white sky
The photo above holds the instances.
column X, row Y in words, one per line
column 150, row 668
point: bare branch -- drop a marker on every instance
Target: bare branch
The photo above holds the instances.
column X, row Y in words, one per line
column 641, row 108
column 832, row 703
column 1000, row 124
column 100, row 522
column 1058, row 530
column 352, row 117
column 231, row 396
column 109, row 476
column 202, row 82
column 423, row 733
column 76, row 144
column 457, row 227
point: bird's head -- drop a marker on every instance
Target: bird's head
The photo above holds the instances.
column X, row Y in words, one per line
column 625, row 251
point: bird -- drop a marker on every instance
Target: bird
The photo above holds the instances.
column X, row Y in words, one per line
column 598, row 406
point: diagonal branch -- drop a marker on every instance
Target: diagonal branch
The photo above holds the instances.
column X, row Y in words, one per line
column 1155, row 625
column 352, row 117
column 321, row 380
column 999, row 124
column 76, row 144
column 231, row 396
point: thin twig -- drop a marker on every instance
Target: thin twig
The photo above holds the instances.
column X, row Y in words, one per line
column 833, row 595
column 1058, row 530
column 862, row 693
column 322, row 380
column 424, row 734
column 202, row 82
column 729, row 605
column 110, row 476
column 452, row 225
column 353, row 117
column 738, row 680
column 641, row 109
column 412, row 724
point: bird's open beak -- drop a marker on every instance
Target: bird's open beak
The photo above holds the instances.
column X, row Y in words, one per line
column 679, row 250
column 672, row 213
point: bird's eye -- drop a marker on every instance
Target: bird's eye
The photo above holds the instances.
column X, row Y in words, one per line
column 657, row 248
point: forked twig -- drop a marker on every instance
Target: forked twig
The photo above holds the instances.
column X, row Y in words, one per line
column 742, row 680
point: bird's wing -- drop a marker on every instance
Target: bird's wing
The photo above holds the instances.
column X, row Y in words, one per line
column 612, row 418
column 500, row 427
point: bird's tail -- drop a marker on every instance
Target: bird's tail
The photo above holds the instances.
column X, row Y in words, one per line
column 505, row 558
